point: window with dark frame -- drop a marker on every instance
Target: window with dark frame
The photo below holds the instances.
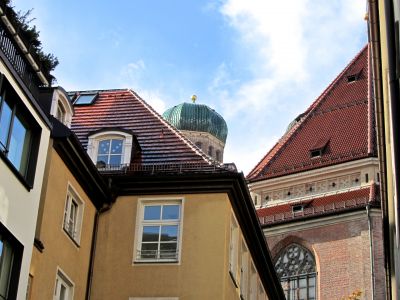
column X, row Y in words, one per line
column 19, row 133
column 296, row 269
column 10, row 264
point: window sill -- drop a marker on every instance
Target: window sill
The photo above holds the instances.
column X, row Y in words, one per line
column 21, row 178
column 71, row 238
column 153, row 262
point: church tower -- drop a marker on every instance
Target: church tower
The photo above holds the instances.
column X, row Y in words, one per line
column 200, row 124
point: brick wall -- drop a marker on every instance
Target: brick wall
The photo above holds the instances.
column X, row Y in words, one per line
column 342, row 254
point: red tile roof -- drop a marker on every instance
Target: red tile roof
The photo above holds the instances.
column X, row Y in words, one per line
column 320, row 205
column 341, row 119
column 160, row 142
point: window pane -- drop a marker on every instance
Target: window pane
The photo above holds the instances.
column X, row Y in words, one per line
column 150, row 233
column 152, row 212
column 168, row 250
column 63, row 291
column 149, row 250
column 103, row 159
column 116, row 147
column 5, row 267
column 170, row 212
column 5, row 119
column 85, row 99
column 18, row 145
column 115, row 159
column 104, row 147
column 169, row 233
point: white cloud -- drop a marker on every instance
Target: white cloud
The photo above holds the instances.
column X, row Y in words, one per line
column 292, row 49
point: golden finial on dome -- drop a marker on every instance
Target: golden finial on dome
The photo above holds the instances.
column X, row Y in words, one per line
column 194, row 98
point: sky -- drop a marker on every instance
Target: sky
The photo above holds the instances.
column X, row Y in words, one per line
column 258, row 63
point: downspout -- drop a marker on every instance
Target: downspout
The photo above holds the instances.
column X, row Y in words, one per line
column 371, row 252
column 374, row 41
column 93, row 248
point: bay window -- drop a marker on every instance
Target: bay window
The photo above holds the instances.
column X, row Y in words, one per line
column 19, row 134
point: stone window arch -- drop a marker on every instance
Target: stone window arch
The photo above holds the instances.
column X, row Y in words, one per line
column 296, row 269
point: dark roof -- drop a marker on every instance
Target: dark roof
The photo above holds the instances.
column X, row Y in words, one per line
column 160, row 142
column 322, row 205
column 339, row 124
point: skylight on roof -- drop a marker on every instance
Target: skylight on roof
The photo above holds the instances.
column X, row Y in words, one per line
column 85, row 99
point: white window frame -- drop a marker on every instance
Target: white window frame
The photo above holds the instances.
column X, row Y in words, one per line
column 261, row 292
column 59, row 100
column 140, row 223
column 234, row 249
column 244, row 270
column 253, row 282
column 73, row 197
column 94, row 140
column 63, row 280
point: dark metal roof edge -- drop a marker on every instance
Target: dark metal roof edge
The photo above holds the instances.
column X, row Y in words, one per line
column 79, row 163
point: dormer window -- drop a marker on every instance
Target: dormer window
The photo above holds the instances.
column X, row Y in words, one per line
column 319, row 148
column 297, row 208
column 111, row 149
column 60, row 114
column 354, row 75
column 61, row 108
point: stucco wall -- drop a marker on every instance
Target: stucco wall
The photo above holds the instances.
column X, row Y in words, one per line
column 60, row 251
column 202, row 272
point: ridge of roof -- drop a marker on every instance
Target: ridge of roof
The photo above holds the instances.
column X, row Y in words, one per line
column 255, row 173
column 173, row 129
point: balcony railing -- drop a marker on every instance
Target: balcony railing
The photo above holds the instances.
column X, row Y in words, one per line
column 176, row 168
column 157, row 255
column 17, row 59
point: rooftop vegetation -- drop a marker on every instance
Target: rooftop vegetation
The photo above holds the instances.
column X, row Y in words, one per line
column 30, row 36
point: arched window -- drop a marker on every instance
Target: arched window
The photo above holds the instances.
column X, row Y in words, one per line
column 218, row 155
column 210, row 150
column 295, row 267
column 110, row 149
column 199, row 144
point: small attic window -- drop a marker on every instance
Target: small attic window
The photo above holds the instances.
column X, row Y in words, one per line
column 354, row 76
column 297, row 208
column 85, row 99
column 319, row 147
column 316, row 153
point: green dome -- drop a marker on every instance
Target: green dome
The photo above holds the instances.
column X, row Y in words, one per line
column 197, row 117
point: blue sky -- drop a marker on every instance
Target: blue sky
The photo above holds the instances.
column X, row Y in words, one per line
column 259, row 63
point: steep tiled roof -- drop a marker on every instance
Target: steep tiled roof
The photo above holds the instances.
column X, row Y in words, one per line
column 339, row 123
column 160, row 142
column 320, row 205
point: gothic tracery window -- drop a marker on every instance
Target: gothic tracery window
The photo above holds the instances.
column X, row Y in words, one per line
column 295, row 266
